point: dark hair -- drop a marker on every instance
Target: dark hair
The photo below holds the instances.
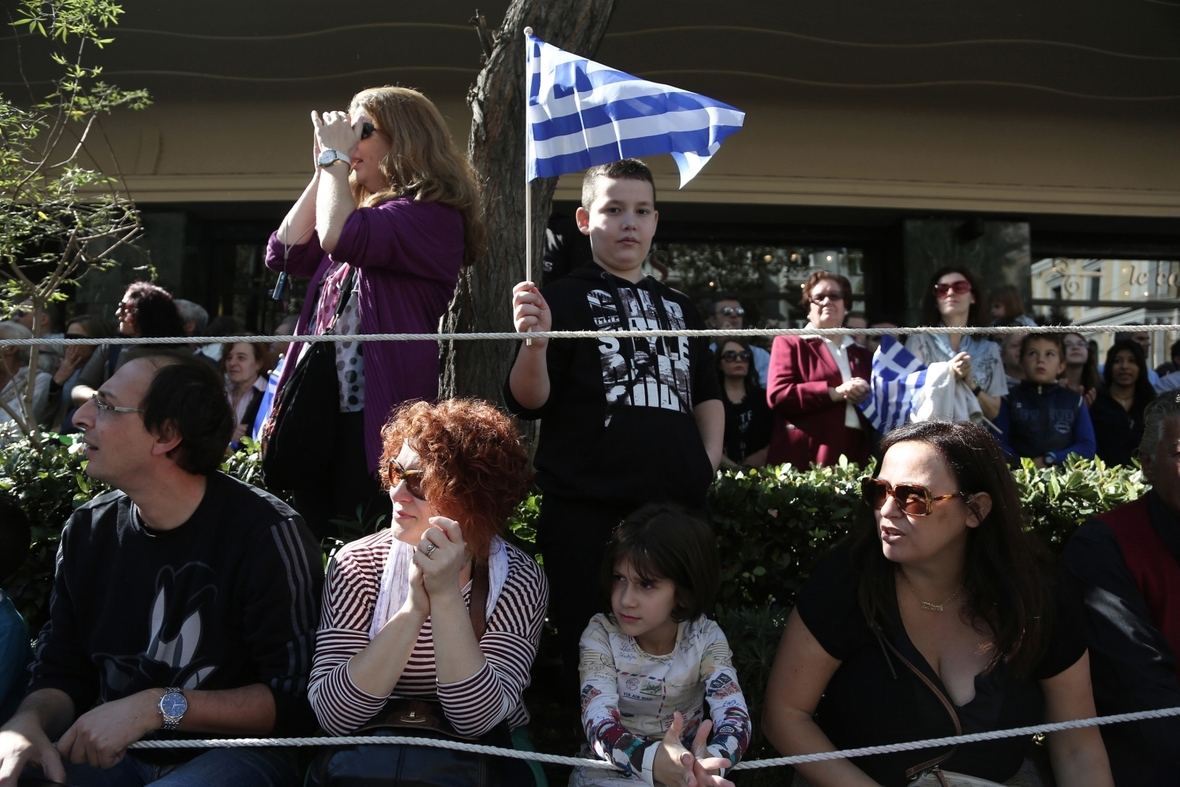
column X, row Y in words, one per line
column 718, row 298
column 1174, row 350
column 186, row 397
column 666, row 541
column 153, row 311
column 1057, row 339
column 1007, row 584
column 1144, row 392
column 816, row 278
column 1090, row 377
column 626, row 169
column 754, row 386
column 261, row 352
column 1009, row 296
column 976, row 316
column 15, row 537
column 475, row 467
column 95, row 326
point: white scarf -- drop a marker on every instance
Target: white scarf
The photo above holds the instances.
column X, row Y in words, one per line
column 395, row 581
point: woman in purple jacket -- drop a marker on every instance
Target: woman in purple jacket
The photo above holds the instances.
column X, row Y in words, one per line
column 391, row 214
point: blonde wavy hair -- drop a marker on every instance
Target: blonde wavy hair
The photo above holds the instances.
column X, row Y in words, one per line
column 423, row 161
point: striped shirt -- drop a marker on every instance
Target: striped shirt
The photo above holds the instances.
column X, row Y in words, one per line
column 474, row 705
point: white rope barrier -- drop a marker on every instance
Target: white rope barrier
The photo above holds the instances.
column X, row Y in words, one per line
column 714, row 333
column 865, row 751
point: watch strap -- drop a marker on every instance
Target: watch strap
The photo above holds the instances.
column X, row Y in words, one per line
column 171, row 722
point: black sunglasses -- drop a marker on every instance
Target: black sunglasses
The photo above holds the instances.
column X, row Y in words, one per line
column 367, row 130
column 913, row 499
column 413, row 478
column 732, row 311
column 736, row 355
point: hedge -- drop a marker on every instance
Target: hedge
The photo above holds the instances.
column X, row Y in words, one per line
column 772, row 525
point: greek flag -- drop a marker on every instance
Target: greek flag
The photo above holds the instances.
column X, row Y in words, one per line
column 896, row 376
column 581, row 113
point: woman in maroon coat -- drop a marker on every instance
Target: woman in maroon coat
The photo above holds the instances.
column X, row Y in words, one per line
column 816, row 382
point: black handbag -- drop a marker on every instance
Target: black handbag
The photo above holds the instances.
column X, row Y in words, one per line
column 417, row 766
column 298, row 437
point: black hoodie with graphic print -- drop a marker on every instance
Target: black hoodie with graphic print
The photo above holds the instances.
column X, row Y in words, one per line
column 619, row 423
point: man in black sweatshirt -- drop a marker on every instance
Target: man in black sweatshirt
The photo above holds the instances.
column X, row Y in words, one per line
column 185, row 603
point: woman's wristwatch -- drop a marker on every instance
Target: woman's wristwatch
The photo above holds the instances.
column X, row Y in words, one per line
column 977, row 389
column 330, row 157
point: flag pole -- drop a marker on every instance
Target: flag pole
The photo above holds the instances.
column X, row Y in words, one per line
column 528, row 192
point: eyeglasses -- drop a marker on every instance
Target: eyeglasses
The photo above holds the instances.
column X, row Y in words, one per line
column 913, row 499
column 960, row 287
column 826, row 296
column 736, row 355
column 110, row 408
column 731, row 311
column 367, row 130
column 413, row 478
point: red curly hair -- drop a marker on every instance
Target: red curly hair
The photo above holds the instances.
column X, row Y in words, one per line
column 475, row 467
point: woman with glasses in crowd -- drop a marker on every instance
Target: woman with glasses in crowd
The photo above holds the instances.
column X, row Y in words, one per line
column 748, row 420
column 395, row 616
column 816, row 382
column 1081, row 368
column 938, row 615
column 954, row 299
column 145, row 310
column 392, row 212
column 61, row 387
column 1117, row 411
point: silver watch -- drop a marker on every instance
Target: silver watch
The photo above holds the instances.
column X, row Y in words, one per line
column 172, row 707
column 330, row 157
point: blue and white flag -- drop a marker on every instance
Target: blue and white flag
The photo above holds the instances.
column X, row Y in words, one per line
column 896, row 376
column 582, row 113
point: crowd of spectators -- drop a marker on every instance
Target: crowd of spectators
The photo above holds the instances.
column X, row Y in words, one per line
column 189, row 604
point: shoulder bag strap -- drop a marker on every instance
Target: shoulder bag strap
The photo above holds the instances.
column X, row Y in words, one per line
column 479, row 598
column 342, row 301
column 946, row 703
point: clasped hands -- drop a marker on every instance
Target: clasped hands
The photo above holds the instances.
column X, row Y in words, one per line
column 854, row 391
column 438, row 562
column 676, row 766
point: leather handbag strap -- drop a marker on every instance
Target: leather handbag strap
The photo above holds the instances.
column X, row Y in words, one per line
column 946, row 703
column 479, row 599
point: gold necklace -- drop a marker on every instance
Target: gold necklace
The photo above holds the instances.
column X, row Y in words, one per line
column 926, row 604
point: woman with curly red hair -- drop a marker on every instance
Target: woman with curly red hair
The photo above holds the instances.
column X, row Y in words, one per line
column 395, row 619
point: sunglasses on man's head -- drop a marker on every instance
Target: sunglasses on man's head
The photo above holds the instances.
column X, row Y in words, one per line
column 732, row 311
column 960, row 287
column 913, row 499
column 367, row 130
column 413, row 478
column 736, row 355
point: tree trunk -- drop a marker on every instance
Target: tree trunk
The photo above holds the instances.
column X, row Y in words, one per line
column 497, row 149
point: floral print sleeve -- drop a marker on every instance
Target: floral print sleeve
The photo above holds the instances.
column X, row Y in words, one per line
column 727, row 705
column 601, row 720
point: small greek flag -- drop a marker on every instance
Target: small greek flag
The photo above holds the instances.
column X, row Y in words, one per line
column 581, row 113
column 896, row 376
